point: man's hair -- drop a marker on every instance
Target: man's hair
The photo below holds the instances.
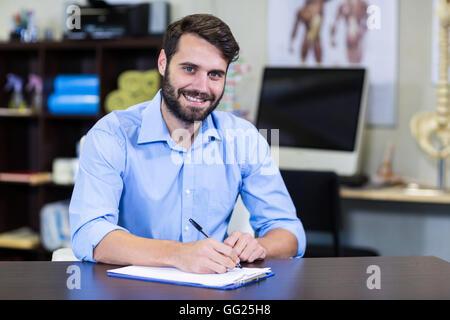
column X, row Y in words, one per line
column 206, row 26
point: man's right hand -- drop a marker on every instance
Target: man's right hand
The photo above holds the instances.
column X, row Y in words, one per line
column 206, row 256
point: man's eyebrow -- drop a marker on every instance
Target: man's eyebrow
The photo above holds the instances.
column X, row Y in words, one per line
column 188, row 64
column 193, row 65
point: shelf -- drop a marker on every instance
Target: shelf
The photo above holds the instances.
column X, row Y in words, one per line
column 33, row 179
column 35, row 143
column 49, row 184
column 11, row 46
column 16, row 113
column 70, row 117
column 128, row 43
column 23, row 239
column 34, row 184
column 398, row 194
column 150, row 42
column 60, row 185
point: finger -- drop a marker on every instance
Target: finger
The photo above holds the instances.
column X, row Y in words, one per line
column 215, row 267
column 204, row 264
column 226, row 250
column 242, row 243
column 259, row 253
column 233, row 238
column 222, row 260
column 248, row 251
column 223, row 254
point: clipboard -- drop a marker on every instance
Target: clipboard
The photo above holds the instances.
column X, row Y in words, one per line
column 245, row 281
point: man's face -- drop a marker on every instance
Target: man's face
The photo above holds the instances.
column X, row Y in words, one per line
column 194, row 80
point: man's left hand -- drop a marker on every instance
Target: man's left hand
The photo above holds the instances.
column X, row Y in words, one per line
column 247, row 247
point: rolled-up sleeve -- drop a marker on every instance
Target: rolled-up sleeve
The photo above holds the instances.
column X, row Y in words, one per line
column 95, row 200
column 265, row 195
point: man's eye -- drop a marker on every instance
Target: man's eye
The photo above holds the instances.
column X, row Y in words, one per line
column 214, row 74
column 189, row 69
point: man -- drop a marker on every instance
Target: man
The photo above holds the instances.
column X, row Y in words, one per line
column 145, row 171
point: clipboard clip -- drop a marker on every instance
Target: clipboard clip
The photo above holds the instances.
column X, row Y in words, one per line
column 244, row 280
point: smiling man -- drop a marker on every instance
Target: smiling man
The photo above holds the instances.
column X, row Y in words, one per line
column 201, row 94
column 132, row 202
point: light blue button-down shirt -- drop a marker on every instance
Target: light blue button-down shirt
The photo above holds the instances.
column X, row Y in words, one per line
column 133, row 177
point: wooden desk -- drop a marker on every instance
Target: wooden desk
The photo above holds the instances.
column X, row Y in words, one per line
column 308, row 278
column 397, row 194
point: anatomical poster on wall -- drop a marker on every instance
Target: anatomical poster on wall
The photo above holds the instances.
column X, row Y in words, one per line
column 435, row 52
column 341, row 33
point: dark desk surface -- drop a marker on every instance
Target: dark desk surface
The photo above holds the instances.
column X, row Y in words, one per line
column 308, row 278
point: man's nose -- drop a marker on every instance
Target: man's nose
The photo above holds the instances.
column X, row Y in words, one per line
column 201, row 83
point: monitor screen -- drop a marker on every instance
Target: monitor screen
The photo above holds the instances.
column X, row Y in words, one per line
column 314, row 108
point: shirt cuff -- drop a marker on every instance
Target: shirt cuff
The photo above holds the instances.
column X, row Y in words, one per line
column 89, row 236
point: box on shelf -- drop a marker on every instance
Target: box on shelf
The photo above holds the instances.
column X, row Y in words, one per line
column 75, row 95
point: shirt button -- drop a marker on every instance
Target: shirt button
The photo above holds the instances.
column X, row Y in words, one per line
column 188, row 191
column 186, row 228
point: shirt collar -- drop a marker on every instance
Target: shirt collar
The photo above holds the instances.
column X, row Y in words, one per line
column 209, row 129
column 154, row 128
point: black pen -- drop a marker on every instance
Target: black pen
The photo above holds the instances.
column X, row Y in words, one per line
column 197, row 226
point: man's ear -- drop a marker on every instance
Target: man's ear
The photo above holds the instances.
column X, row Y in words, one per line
column 162, row 62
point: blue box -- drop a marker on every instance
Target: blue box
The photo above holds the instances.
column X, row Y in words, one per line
column 87, row 104
column 77, row 84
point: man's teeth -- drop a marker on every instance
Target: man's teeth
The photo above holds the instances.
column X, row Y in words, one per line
column 193, row 99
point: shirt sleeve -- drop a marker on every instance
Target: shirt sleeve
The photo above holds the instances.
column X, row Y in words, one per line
column 266, row 197
column 95, row 200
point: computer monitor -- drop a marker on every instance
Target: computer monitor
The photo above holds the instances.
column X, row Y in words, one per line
column 320, row 114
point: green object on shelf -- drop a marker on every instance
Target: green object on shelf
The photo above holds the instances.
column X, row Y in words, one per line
column 134, row 87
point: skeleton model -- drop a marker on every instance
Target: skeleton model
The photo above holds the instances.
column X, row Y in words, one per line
column 432, row 129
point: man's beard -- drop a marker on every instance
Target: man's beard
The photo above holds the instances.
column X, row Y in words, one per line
column 187, row 114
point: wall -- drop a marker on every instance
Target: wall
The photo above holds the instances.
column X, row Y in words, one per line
column 399, row 229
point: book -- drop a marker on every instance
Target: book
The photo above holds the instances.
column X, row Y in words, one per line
column 22, row 238
column 232, row 279
column 31, row 177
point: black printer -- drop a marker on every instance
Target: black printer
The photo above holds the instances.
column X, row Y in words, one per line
column 100, row 20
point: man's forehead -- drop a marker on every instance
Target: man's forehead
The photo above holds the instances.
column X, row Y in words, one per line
column 199, row 51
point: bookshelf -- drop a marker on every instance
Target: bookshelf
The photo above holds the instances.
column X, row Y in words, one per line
column 31, row 140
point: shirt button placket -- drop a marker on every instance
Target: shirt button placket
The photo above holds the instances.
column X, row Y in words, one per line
column 187, row 198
